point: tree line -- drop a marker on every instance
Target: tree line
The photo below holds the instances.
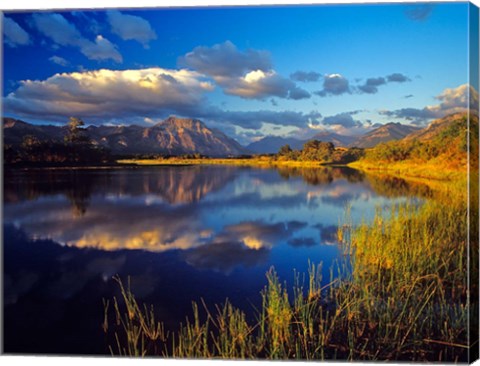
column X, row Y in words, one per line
column 324, row 152
column 76, row 148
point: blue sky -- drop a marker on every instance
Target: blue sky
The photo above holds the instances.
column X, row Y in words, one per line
column 249, row 71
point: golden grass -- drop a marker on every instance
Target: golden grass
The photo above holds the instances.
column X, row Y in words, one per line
column 414, row 170
column 402, row 295
column 256, row 162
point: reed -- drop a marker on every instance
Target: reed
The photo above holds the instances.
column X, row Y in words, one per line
column 401, row 295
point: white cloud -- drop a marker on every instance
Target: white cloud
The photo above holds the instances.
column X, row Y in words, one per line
column 305, row 76
column 63, row 33
column 224, row 60
column 14, row 34
column 130, row 27
column 452, row 100
column 456, row 99
column 57, row 28
column 59, row 60
column 334, row 84
column 260, row 85
column 247, row 74
column 102, row 49
column 107, row 94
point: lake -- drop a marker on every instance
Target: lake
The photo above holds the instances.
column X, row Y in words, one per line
column 181, row 234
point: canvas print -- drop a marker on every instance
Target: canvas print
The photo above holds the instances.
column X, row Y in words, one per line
column 294, row 182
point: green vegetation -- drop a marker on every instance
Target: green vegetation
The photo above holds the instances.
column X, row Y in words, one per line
column 441, row 153
column 441, row 156
column 403, row 291
column 315, row 153
column 402, row 295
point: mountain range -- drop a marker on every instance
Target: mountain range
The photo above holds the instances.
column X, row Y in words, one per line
column 177, row 136
column 173, row 136
column 388, row 132
column 385, row 133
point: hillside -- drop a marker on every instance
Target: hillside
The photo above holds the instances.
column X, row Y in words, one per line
column 335, row 138
column 173, row 136
column 438, row 151
column 434, row 128
column 388, row 132
column 272, row 144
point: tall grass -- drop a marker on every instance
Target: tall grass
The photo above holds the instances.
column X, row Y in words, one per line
column 401, row 295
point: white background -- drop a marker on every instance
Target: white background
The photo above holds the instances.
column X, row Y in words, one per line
column 86, row 4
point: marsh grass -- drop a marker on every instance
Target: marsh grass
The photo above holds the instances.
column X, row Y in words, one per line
column 258, row 161
column 402, row 294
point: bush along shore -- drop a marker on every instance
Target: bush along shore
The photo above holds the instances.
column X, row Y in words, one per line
column 402, row 294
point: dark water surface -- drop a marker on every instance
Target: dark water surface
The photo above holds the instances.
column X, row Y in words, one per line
column 180, row 233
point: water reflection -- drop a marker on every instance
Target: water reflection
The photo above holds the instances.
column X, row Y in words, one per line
column 180, row 233
column 183, row 208
column 175, row 185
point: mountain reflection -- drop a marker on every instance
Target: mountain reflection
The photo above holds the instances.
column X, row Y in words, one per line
column 178, row 233
column 175, row 185
column 210, row 213
column 325, row 175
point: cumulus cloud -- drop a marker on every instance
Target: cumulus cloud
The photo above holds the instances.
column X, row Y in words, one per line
column 255, row 119
column 130, row 27
column 452, row 100
column 342, row 119
column 101, row 49
column 334, row 84
column 304, row 76
column 397, row 78
column 260, row 85
column 63, row 33
column 13, row 33
column 58, row 60
column 343, row 123
column 109, row 94
column 246, row 74
column 225, row 60
column 371, row 84
column 133, row 95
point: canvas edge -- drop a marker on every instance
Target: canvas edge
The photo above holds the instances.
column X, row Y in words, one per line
column 473, row 183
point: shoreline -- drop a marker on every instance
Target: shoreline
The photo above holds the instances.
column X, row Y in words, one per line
column 406, row 170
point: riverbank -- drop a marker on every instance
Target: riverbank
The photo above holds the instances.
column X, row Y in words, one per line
column 257, row 162
column 402, row 296
column 414, row 170
column 408, row 170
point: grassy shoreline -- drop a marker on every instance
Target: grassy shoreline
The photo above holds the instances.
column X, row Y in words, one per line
column 412, row 170
column 258, row 162
column 408, row 170
column 405, row 298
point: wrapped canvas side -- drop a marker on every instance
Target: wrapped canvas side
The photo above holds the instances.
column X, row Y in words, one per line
column 473, row 181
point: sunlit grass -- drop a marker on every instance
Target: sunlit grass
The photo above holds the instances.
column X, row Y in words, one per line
column 401, row 295
column 409, row 169
column 265, row 161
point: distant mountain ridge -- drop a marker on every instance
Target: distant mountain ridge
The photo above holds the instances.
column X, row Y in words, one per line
column 271, row 144
column 385, row 133
column 173, row 136
column 177, row 136
column 436, row 127
column 337, row 139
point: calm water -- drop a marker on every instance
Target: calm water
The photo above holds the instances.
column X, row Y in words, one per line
column 180, row 233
